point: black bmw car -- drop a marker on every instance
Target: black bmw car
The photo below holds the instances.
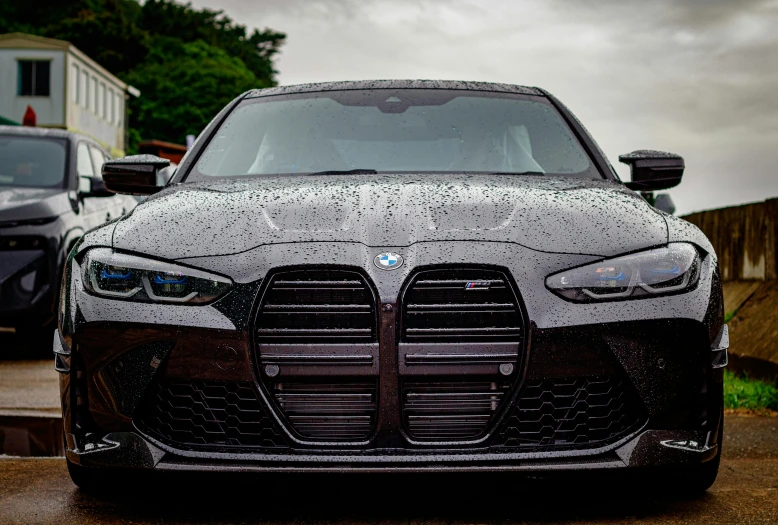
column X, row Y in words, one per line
column 393, row 276
column 51, row 193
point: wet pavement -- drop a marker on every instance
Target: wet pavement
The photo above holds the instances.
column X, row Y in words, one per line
column 39, row 491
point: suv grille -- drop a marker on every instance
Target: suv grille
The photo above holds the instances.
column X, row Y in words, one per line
column 209, row 413
column 558, row 412
column 328, row 411
column 317, row 306
column 451, row 410
column 462, row 305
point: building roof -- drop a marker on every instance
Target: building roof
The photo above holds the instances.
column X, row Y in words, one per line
column 394, row 84
column 27, row 41
column 161, row 144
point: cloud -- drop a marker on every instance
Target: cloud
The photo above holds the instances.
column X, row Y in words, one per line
column 697, row 77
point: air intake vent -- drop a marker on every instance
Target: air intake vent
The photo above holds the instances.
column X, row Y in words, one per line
column 208, row 413
column 317, row 306
column 329, row 411
column 460, row 305
column 449, row 411
column 569, row 412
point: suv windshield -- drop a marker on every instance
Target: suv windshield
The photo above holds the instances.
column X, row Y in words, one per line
column 32, row 161
column 396, row 131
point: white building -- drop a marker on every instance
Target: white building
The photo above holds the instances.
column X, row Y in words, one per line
column 64, row 87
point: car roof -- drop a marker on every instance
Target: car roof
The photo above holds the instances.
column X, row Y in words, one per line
column 28, row 131
column 395, row 84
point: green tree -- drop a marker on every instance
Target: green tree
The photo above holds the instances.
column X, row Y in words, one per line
column 164, row 17
column 190, row 83
column 187, row 62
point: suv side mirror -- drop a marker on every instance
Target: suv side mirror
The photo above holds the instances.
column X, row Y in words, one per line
column 134, row 175
column 653, row 170
column 92, row 187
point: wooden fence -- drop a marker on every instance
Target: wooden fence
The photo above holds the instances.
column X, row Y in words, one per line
column 745, row 239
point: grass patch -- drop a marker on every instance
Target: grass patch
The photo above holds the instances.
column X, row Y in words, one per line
column 749, row 394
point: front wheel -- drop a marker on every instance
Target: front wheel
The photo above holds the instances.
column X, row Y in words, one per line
column 694, row 481
column 100, row 480
column 86, row 479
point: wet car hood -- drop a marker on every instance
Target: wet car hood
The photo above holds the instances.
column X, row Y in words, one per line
column 32, row 203
column 553, row 214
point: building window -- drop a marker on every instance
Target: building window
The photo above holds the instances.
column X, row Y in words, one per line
column 34, row 78
column 104, row 97
column 111, row 106
column 85, row 89
column 93, row 102
column 75, row 81
column 101, row 101
column 119, row 110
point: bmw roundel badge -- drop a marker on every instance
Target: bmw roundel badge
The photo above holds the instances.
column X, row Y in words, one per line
column 388, row 261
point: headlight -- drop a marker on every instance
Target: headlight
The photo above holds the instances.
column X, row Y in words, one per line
column 672, row 269
column 121, row 276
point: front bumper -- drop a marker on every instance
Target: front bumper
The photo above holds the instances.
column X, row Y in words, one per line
column 662, row 346
column 648, row 448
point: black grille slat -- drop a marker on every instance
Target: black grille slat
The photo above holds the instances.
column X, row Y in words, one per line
column 209, row 414
column 443, row 411
column 570, row 412
column 328, row 305
column 317, row 307
column 329, row 411
column 438, row 306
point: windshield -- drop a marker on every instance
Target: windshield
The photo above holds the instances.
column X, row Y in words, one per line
column 395, row 131
column 32, row 161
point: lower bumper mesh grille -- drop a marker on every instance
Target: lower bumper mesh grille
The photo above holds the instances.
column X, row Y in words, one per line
column 329, row 411
column 574, row 411
column 443, row 411
column 209, row 413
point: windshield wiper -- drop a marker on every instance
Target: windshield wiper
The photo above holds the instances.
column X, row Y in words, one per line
column 344, row 172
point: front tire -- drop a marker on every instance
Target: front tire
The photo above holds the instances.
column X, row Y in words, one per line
column 694, row 481
column 702, row 477
column 100, row 480
column 87, row 479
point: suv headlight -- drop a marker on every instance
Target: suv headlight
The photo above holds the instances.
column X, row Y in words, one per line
column 121, row 276
column 672, row 269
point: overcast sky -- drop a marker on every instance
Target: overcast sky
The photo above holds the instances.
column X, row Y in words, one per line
column 694, row 77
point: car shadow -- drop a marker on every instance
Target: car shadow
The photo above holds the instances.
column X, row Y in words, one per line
column 350, row 498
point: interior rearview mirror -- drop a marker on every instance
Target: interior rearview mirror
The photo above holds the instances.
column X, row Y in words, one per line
column 134, row 175
column 653, row 170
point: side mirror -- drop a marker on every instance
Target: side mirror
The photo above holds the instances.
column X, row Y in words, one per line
column 134, row 175
column 653, row 170
column 92, row 187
